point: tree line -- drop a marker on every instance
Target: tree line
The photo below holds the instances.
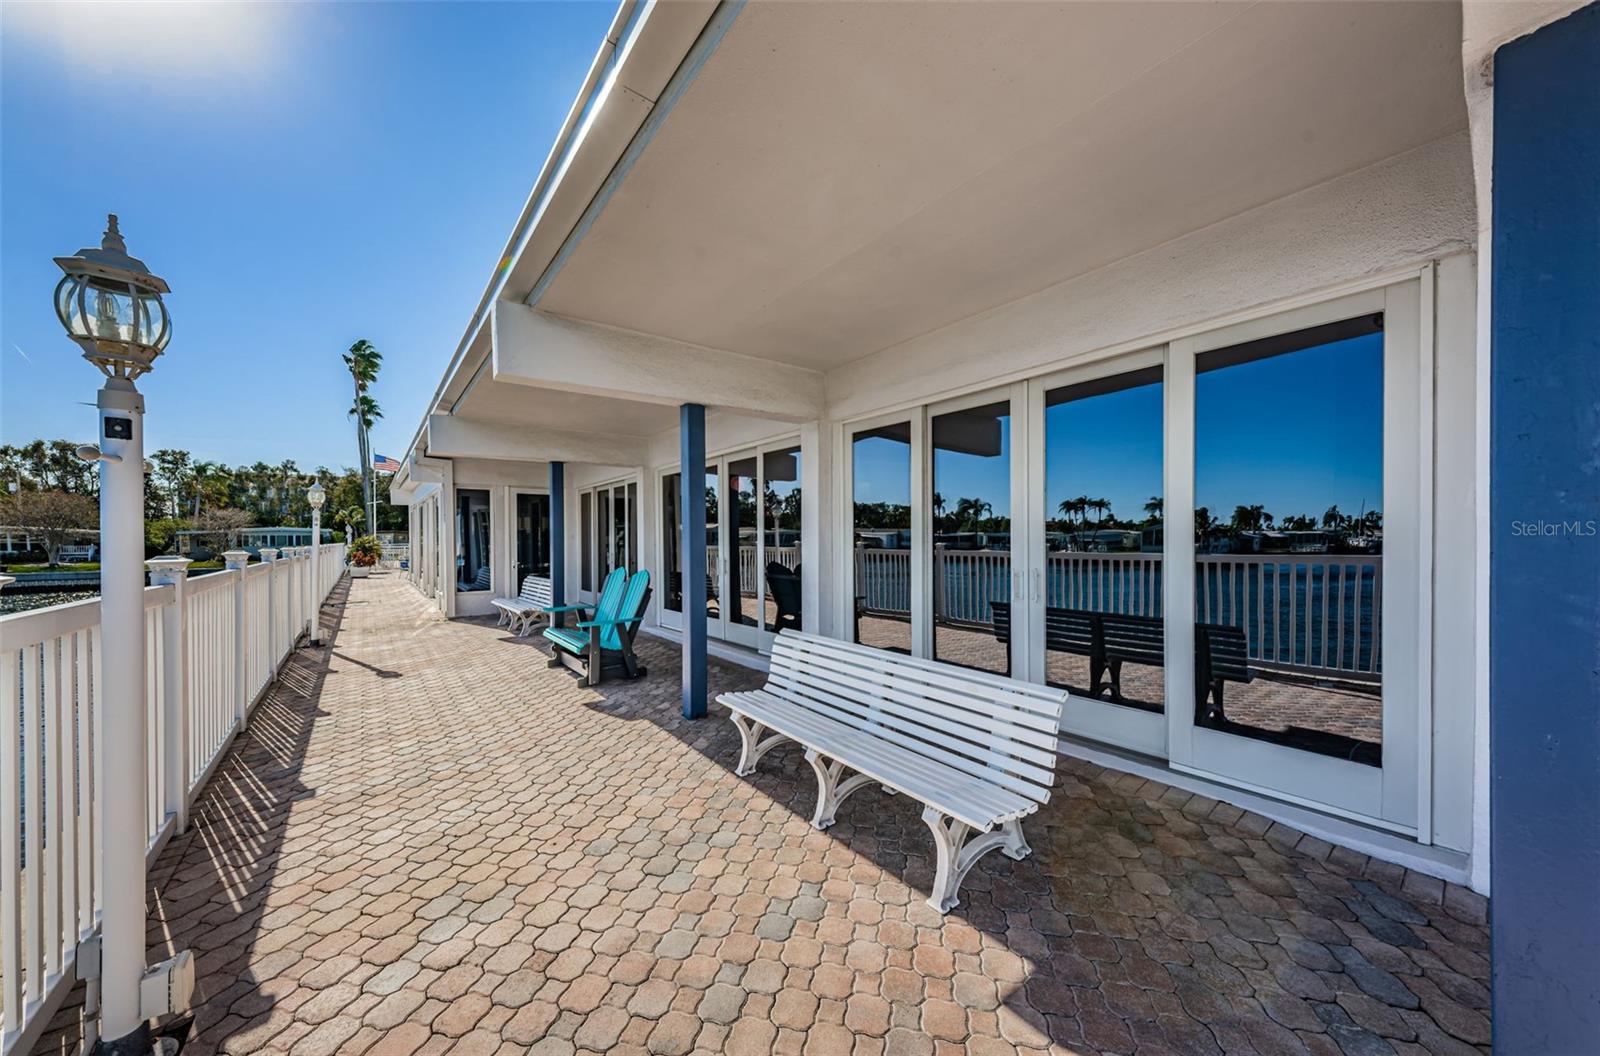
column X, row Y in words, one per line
column 48, row 488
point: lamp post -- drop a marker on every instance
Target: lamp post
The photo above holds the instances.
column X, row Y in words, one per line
column 110, row 304
column 315, row 496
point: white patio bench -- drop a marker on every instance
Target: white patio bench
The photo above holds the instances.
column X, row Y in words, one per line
column 977, row 750
column 523, row 611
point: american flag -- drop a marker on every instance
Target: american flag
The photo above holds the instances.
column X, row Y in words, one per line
column 385, row 464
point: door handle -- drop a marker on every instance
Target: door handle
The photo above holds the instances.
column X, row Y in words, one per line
column 1037, row 576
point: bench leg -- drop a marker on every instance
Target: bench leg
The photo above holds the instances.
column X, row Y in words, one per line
column 958, row 846
column 830, row 790
column 752, row 746
column 1015, row 846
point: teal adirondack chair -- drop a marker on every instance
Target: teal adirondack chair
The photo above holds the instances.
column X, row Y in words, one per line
column 604, row 644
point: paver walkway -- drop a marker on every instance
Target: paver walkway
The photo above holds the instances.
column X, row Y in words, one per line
column 428, row 843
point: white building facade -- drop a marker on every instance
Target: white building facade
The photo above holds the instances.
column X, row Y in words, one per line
column 982, row 303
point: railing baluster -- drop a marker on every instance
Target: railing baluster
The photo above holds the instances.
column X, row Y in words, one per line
column 11, row 704
column 50, row 816
column 32, row 842
column 84, row 726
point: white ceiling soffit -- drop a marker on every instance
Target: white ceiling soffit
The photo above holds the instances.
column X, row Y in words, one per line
column 535, row 348
column 659, row 36
column 508, row 404
column 452, row 437
column 841, row 177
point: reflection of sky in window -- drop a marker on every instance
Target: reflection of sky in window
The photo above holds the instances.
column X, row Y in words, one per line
column 882, row 470
column 1294, row 433
column 1106, row 447
column 960, row 475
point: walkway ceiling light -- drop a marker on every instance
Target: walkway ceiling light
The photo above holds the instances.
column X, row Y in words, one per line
column 110, row 304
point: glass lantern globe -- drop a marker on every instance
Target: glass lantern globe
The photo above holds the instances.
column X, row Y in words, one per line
column 110, row 304
column 316, row 496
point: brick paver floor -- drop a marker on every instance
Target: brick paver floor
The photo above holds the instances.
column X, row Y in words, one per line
column 427, row 842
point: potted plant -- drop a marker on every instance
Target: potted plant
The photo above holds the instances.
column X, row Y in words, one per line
column 364, row 554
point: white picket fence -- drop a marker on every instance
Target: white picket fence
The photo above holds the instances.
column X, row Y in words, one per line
column 213, row 645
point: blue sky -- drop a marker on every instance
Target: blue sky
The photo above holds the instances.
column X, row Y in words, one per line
column 1296, row 433
column 303, row 175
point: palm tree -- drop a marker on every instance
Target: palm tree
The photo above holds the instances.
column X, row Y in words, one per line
column 1102, row 507
column 1154, row 507
column 350, row 516
column 363, row 361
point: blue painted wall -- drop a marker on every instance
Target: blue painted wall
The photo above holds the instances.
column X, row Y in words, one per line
column 1545, row 541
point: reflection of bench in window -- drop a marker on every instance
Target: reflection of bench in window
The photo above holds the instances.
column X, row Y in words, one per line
column 783, row 584
column 1221, row 655
column 1110, row 640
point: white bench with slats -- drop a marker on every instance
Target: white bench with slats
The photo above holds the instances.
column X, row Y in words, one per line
column 523, row 611
column 978, row 750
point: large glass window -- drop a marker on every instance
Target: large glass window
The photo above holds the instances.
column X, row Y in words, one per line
column 743, row 582
column 603, row 541
column 586, row 541
column 472, row 539
column 621, row 529
column 672, row 541
column 713, row 513
column 633, row 527
column 1289, row 538
column 781, row 530
column 970, row 509
column 880, row 461
column 1103, row 539
column 533, row 537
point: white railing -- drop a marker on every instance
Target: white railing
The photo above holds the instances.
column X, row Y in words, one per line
column 1309, row 613
column 213, row 645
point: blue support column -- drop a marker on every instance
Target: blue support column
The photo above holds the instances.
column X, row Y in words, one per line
column 692, row 501
column 558, row 535
column 1544, row 567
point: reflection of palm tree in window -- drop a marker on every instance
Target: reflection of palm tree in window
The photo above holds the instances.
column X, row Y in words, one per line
column 1251, row 518
column 970, row 512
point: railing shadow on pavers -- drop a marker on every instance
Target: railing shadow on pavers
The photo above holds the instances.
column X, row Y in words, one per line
column 208, row 889
column 1147, row 919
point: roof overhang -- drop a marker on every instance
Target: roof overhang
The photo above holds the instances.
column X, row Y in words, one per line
column 810, row 184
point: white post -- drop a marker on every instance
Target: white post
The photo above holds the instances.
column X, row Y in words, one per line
column 269, row 557
column 173, row 571
column 288, row 556
column 122, row 705
column 316, row 576
column 237, row 561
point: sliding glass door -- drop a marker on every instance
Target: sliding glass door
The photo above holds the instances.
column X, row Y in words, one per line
column 1296, row 668
column 884, row 582
column 1098, row 549
column 608, row 526
column 753, row 546
column 1272, row 637
column 968, row 506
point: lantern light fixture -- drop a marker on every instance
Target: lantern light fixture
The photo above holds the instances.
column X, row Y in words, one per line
column 110, row 304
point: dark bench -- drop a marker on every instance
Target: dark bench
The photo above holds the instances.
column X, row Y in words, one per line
column 1110, row 640
column 1221, row 655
